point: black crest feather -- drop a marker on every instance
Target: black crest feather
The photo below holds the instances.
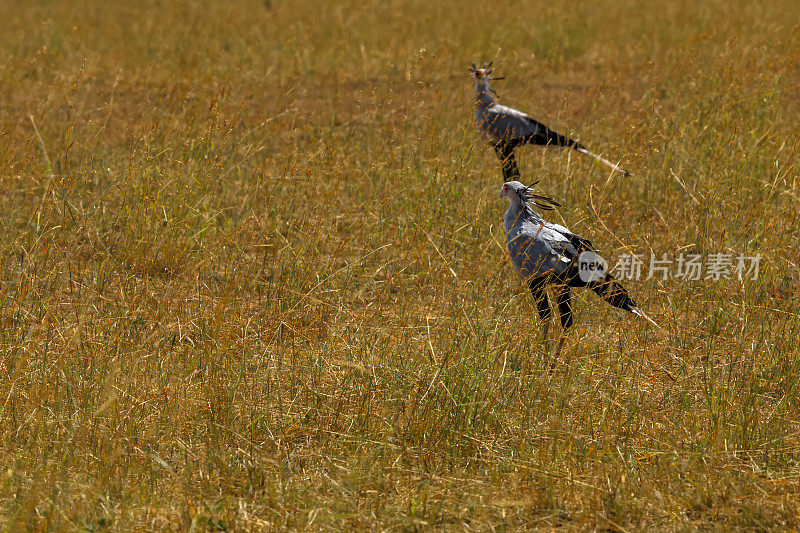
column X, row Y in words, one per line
column 542, row 202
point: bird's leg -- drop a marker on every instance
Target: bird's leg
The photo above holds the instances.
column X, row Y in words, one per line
column 508, row 163
column 537, row 286
column 557, row 353
column 564, row 299
column 545, row 340
column 560, row 345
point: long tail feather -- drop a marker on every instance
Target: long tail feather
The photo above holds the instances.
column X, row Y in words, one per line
column 638, row 312
column 614, row 293
column 603, row 160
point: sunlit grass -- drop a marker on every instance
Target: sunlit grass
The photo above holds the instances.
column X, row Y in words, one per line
column 253, row 272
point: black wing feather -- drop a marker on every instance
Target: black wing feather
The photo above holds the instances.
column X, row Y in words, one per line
column 544, row 136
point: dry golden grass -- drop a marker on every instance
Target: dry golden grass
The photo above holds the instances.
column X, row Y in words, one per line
column 251, row 277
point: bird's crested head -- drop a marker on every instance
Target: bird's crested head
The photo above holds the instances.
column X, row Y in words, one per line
column 483, row 73
column 518, row 192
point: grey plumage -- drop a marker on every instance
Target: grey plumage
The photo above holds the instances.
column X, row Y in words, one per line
column 507, row 128
column 537, row 247
column 546, row 254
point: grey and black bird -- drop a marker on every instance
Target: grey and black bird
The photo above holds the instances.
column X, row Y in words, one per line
column 546, row 254
column 508, row 128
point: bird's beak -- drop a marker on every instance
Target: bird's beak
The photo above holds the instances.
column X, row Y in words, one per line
column 503, row 193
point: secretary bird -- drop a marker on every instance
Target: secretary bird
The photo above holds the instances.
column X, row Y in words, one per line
column 546, row 254
column 508, row 128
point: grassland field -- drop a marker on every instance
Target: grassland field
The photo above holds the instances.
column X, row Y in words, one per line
column 253, row 276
